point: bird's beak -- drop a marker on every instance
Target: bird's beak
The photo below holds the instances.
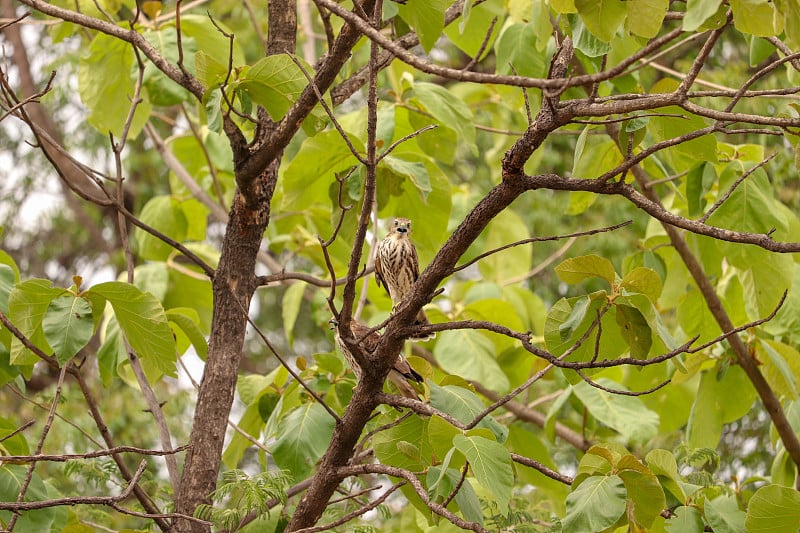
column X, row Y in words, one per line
column 402, row 229
column 333, row 323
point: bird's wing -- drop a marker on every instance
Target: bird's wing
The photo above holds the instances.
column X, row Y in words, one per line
column 414, row 261
column 371, row 341
column 402, row 366
column 379, row 271
column 404, row 386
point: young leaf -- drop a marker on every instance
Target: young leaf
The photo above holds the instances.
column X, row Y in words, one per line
column 144, row 323
column 27, row 305
column 577, row 269
column 290, row 308
column 68, row 326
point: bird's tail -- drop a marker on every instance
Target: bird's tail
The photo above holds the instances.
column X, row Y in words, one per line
column 422, row 320
column 403, row 385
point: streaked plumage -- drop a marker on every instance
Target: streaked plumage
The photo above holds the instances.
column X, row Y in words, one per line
column 397, row 265
column 400, row 374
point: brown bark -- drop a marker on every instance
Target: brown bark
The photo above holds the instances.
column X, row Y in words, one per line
column 234, row 284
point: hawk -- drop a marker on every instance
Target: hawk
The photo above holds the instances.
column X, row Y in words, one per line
column 400, row 374
column 397, row 266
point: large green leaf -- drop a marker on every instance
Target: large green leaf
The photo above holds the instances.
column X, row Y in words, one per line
column 602, row 17
column 162, row 213
column 274, row 82
column 511, row 263
column 426, row 17
column 144, row 323
column 312, row 170
column 464, row 405
column 724, row 516
column 595, row 504
column 447, row 108
column 756, row 17
column 290, row 308
column 516, row 51
column 68, row 326
column 470, row 354
column 643, row 488
column 697, row 11
column 11, row 479
column 27, row 305
column 465, row 498
column 106, row 87
column 664, row 466
column 773, row 509
column 686, row 520
column 577, row 269
column 7, row 280
column 490, row 462
column 647, row 18
column 301, row 439
column 405, row 445
column 721, row 398
column 185, row 324
column 625, row 414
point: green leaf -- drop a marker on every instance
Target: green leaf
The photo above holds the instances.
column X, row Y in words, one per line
column 187, row 322
column 447, row 108
column 649, row 14
column 756, row 17
column 773, row 508
column 144, row 323
column 466, row 499
column 644, row 281
column 106, row 87
column 721, row 398
column 164, row 214
column 470, row 33
column 11, row 479
column 290, row 308
column 595, row 504
column 470, row 354
column 16, row 445
column 781, row 366
column 697, row 11
column 635, row 330
column 643, row 490
column 302, row 437
column 724, row 516
column 310, row 173
column 664, row 466
column 416, row 172
column 602, row 17
column 686, row 520
column 490, row 462
column 464, row 405
column 412, row 430
column 68, row 326
column 27, row 305
column 577, row 269
column 625, row 414
column 427, row 18
column 274, row 82
column 516, row 51
column 751, row 205
column 7, row 280
column 511, row 263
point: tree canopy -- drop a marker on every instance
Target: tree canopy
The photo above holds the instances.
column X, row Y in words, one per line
column 603, row 196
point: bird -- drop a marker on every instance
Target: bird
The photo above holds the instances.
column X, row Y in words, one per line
column 400, row 374
column 397, row 267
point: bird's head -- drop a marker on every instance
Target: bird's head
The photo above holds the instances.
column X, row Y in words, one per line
column 333, row 323
column 401, row 226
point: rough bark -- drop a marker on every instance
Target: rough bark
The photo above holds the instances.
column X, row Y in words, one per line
column 234, row 284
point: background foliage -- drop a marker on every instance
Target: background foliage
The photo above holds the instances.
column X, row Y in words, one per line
column 597, row 431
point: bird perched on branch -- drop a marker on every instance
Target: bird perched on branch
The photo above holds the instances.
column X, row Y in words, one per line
column 397, row 266
column 400, row 374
